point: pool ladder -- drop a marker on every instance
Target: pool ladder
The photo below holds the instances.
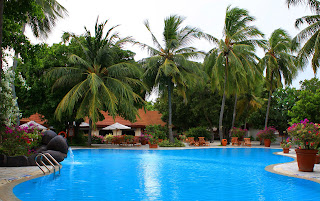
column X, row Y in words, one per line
column 50, row 160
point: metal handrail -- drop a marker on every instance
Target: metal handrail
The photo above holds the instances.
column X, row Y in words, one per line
column 54, row 160
column 49, row 161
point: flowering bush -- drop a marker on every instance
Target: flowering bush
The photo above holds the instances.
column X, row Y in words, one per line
column 144, row 136
column 286, row 144
column 97, row 139
column 108, row 138
column 20, row 141
column 153, row 140
column 267, row 133
column 156, row 131
column 8, row 105
column 305, row 134
column 238, row 132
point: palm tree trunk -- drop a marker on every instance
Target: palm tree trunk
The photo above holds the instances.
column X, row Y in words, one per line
column 223, row 102
column 170, row 111
column 90, row 132
column 1, row 25
column 14, row 67
column 268, row 108
column 234, row 110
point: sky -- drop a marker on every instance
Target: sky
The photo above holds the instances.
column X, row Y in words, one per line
column 207, row 15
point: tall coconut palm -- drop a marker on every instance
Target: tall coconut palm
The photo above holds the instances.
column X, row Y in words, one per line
column 313, row 4
column 229, row 61
column 168, row 65
column 278, row 62
column 309, row 36
column 97, row 83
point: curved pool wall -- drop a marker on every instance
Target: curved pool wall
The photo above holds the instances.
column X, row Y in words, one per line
column 193, row 174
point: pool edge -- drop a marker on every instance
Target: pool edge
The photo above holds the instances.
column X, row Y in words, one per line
column 271, row 168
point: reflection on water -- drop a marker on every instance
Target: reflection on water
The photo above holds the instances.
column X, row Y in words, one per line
column 150, row 170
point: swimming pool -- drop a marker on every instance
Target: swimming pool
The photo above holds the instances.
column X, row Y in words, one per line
column 192, row 174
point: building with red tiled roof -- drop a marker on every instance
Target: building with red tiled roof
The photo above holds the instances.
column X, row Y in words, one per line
column 143, row 119
column 38, row 118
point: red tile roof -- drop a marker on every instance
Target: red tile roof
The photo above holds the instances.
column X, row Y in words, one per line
column 146, row 118
column 36, row 118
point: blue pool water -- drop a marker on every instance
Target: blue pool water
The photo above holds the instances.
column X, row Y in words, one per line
column 168, row 175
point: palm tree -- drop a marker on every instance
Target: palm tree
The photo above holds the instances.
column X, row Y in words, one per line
column 310, row 35
column 234, row 55
column 41, row 23
column 250, row 101
column 97, row 83
column 168, row 65
column 313, row 4
column 278, row 62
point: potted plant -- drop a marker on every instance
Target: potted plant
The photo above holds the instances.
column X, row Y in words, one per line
column 153, row 142
column 144, row 138
column 238, row 132
column 267, row 135
column 318, row 157
column 286, row 145
column 306, row 135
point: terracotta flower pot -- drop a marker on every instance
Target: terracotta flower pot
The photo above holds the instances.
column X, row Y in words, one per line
column 317, row 159
column 153, row 146
column 286, row 150
column 143, row 142
column 306, row 159
column 267, row 142
column 224, row 142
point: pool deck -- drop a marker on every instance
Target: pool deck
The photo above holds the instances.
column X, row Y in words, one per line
column 11, row 176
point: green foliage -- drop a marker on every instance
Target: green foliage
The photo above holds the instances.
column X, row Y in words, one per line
column 156, row 131
column 238, row 132
column 201, row 109
column 234, row 63
column 128, row 138
column 8, row 108
column 153, row 140
column 79, row 140
column 149, row 106
column 167, row 143
column 305, row 134
column 169, row 65
column 97, row 83
column 267, row 133
column 281, row 103
column 199, row 132
column 308, row 104
column 97, row 139
column 108, row 138
column 19, row 141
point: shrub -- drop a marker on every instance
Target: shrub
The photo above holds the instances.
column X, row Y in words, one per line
column 97, row 139
column 199, row 132
column 238, row 132
column 80, row 139
column 156, row 131
column 167, row 143
column 18, row 141
column 108, row 138
column 267, row 133
column 305, row 134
